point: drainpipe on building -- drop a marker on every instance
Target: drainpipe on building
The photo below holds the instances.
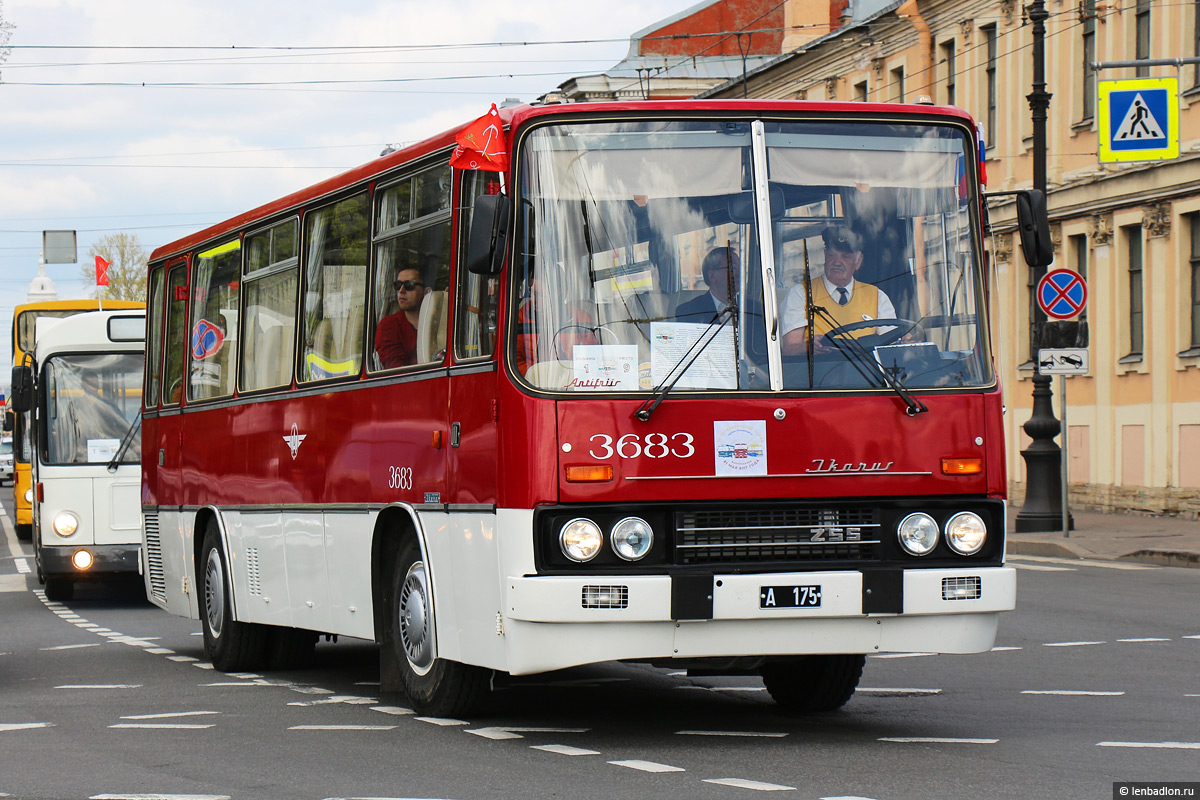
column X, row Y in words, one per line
column 909, row 12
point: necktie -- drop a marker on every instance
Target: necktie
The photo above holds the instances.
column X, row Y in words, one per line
column 843, row 298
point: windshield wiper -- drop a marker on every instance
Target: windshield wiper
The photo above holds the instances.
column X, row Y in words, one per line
column 126, row 441
column 859, row 358
column 660, row 392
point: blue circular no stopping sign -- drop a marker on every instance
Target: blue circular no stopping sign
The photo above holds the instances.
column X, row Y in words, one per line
column 1062, row 294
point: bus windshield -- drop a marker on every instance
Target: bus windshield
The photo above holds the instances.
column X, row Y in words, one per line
column 91, row 402
column 643, row 249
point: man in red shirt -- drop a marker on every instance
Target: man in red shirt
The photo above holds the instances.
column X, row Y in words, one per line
column 396, row 334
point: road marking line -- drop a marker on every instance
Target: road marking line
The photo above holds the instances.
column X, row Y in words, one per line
column 763, row 734
column 162, row 726
column 342, row 728
column 1153, row 745
column 24, row 726
column 182, row 659
column 170, row 714
column 884, row 690
column 202, row 665
column 159, row 797
column 1070, row 644
column 848, row 797
column 1044, row 568
column 22, row 566
column 564, row 750
column 734, row 688
column 100, row 686
column 1003, row 649
column 443, row 721
column 741, row 783
column 70, row 646
column 396, row 711
column 902, row 655
column 935, row 740
column 159, row 651
column 499, row 733
column 1192, row 636
column 1072, row 693
column 1148, row 639
column 647, row 766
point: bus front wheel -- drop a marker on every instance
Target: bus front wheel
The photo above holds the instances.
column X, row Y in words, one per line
column 230, row 645
column 59, row 589
column 813, row 683
column 434, row 686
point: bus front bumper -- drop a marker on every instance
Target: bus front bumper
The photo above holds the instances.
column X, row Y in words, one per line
column 553, row 622
column 106, row 559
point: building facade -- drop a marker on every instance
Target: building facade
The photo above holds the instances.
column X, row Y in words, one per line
column 1132, row 229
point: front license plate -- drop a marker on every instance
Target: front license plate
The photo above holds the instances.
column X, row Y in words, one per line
column 789, row 597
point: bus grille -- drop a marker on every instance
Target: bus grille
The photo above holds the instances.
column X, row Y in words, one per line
column 790, row 534
column 157, row 579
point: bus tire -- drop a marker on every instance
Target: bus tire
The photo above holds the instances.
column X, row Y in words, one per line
column 434, row 686
column 813, row 683
column 230, row 645
column 59, row 589
column 290, row 648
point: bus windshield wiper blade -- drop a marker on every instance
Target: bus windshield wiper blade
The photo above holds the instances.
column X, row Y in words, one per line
column 660, row 392
column 859, row 358
column 126, row 441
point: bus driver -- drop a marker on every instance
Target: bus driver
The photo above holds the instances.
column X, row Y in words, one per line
column 396, row 334
column 845, row 299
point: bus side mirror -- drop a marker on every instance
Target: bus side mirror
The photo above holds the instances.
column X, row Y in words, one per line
column 1034, row 226
column 22, row 389
column 489, row 234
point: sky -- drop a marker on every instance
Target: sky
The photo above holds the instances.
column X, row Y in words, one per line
column 269, row 97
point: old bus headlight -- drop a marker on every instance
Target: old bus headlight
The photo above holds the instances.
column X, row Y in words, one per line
column 65, row 523
column 966, row 533
column 580, row 539
column 29, row 495
column 632, row 538
column 918, row 534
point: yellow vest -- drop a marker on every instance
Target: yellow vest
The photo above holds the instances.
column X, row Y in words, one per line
column 863, row 300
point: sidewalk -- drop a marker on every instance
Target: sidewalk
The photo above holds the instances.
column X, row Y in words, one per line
column 1167, row 541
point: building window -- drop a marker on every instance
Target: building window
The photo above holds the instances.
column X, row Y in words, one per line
column 1195, row 263
column 1088, row 87
column 1133, row 253
column 1079, row 258
column 948, row 56
column 860, row 92
column 898, row 85
column 989, row 39
column 1142, row 33
column 1196, row 47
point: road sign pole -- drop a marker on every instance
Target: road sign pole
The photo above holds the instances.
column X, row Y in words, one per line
column 1066, row 463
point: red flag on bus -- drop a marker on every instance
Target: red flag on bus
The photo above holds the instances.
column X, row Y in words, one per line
column 102, row 271
column 481, row 145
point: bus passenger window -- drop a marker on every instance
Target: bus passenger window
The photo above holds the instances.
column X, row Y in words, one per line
column 154, row 336
column 272, row 279
column 475, row 315
column 412, row 269
column 212, row 342
column 334, row 290
column 176, row 335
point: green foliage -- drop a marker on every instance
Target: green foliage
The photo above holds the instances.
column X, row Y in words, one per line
column 126, row 276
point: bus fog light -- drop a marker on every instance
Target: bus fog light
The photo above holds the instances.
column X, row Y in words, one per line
column 966, row 533
column 580, row 539
column 65, row 523
column 82, row 559
column 632, row 538
column 918, row 534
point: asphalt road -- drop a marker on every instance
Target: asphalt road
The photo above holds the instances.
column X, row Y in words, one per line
column 1095, row 680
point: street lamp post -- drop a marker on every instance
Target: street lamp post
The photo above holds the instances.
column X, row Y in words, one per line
column 1042, row 510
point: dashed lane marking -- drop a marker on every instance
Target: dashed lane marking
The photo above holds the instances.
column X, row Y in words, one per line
column 342, row 728
column 901, row 691
column 761, row 734
column 565, row 750
column 396, row 711
column 101, row 686
column 1153, row 745
column 647, row 766
column 759, row 786
column 935, row 740
column 22, row 566
column 498, row 733
column 70, row 646
column 902, row 655
column 443, row 721
column 163, row 726
column 1070, row 644
column 1071, row 693
column 171, row 715
column 1147, row 639
column 24, row 726
column 111, row 796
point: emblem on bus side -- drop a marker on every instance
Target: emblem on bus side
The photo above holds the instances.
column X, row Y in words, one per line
column 293, row 441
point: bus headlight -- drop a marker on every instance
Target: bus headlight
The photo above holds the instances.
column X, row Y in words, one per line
column 82, row 560
column 580, row 539
column 966, row 533
column 65, row 523
column 918, row 534
column 632, row 538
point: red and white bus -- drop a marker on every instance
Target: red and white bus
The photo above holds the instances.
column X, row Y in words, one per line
column 474, row 415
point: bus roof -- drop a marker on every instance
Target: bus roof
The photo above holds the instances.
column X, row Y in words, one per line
column 119, row 329
column 514, row 116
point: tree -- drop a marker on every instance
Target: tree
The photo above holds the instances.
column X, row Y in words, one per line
column 127, row 273
column 6, row 29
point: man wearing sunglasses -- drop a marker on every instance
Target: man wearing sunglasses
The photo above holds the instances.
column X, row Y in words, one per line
column 396, row 334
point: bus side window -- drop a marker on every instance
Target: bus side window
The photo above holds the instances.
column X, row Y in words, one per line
column 335, row 290
column 154, row 337
column 212, row 340
column 271, row 282
column 176, row 334
column 475, row 312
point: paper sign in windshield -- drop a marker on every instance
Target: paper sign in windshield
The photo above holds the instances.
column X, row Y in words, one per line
column 605, row 367
column 673, row 345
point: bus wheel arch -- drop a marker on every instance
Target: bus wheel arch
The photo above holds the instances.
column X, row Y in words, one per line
column 230, row 645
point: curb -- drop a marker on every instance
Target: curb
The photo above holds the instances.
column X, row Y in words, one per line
column 1162, row 558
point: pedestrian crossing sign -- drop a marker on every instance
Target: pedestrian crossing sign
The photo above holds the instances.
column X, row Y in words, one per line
column 1139, row 119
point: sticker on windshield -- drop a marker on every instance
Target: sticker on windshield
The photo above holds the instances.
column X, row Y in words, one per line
column 708, row 348
column 740, row 446
column 607, row 367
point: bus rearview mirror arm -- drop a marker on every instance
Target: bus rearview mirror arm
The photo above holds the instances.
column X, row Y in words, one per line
column 489, row 234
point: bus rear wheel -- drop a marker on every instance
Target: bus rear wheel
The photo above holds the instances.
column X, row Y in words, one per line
column 813, row 683
column 230, row 645
column 434, row 686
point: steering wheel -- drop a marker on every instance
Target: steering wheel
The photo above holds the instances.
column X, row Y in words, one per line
column 594, row 330
column 899, row 329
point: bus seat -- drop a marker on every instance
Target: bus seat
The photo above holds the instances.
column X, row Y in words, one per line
column 431, row 327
